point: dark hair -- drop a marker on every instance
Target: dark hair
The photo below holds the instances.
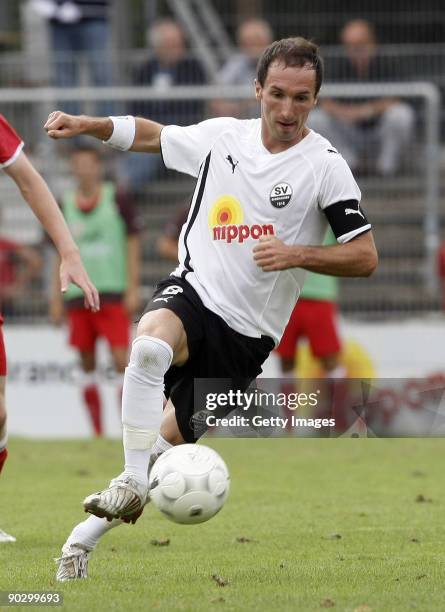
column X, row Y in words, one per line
column 291, row 52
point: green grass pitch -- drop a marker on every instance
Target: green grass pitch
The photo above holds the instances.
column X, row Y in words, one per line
column 347, row 524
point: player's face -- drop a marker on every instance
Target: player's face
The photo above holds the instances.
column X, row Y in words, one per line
column 86, row 167
column 287, row 97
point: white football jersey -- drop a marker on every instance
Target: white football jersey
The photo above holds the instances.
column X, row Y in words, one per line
column 244, row 192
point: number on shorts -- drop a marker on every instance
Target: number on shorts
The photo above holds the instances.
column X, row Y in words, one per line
column 172, row 290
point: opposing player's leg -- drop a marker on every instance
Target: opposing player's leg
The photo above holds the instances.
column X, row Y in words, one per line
column 161, row 342
column 3, row 432
column 4, row 537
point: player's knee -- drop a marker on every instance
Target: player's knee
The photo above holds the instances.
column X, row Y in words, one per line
column 151, row 355
column 167, row 326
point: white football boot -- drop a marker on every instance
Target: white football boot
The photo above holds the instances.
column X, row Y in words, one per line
column 5, row 537
column 73, row 564
column 125, row 498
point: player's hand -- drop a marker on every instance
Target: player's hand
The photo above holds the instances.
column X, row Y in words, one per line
column 132, row 301
column 271, row 254
column 72, row 271
column 62, row 125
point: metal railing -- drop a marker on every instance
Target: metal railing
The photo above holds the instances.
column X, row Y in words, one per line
column 404, row 208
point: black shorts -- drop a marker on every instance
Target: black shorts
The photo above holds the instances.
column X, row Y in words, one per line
column 216, row 351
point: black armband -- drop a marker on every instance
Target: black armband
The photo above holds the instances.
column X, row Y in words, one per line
column 347, row 220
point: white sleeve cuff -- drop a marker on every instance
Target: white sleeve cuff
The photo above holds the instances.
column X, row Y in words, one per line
column 14, row 156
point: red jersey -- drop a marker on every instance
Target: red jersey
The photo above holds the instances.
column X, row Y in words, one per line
column 10, row 144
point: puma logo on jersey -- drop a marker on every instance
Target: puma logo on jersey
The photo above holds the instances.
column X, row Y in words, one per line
column 351, row 211
column 232, row 162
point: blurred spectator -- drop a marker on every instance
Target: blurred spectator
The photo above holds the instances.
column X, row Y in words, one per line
column 253, row 36
column 354, row 125
column 106, row 230
column 170, row 65
column 167, row 245
column 315, row 319
column 78, row 29
column 19, row 264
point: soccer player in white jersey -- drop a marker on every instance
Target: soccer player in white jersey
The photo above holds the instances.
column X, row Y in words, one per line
column 266, row 191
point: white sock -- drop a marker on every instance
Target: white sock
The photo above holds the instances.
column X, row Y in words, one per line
column 136, row 463
column 142, row 402
column 88, row 533
column 87, row 379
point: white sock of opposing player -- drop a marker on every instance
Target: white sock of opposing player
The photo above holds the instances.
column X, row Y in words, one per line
column 142, row 402
column 88, row 533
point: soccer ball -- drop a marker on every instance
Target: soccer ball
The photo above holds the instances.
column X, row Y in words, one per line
column 189, row 483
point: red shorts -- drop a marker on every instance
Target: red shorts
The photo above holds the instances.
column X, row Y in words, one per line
column 314, row 320
column 2, row 352
column 111, row 322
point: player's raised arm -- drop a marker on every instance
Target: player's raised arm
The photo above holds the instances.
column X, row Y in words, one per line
column 125, row 133
column 37, row 194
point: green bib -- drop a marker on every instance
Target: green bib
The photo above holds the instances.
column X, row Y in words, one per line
column 101, row 237
column 320, row 286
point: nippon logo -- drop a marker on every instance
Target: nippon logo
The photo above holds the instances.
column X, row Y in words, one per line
column 240, row 233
